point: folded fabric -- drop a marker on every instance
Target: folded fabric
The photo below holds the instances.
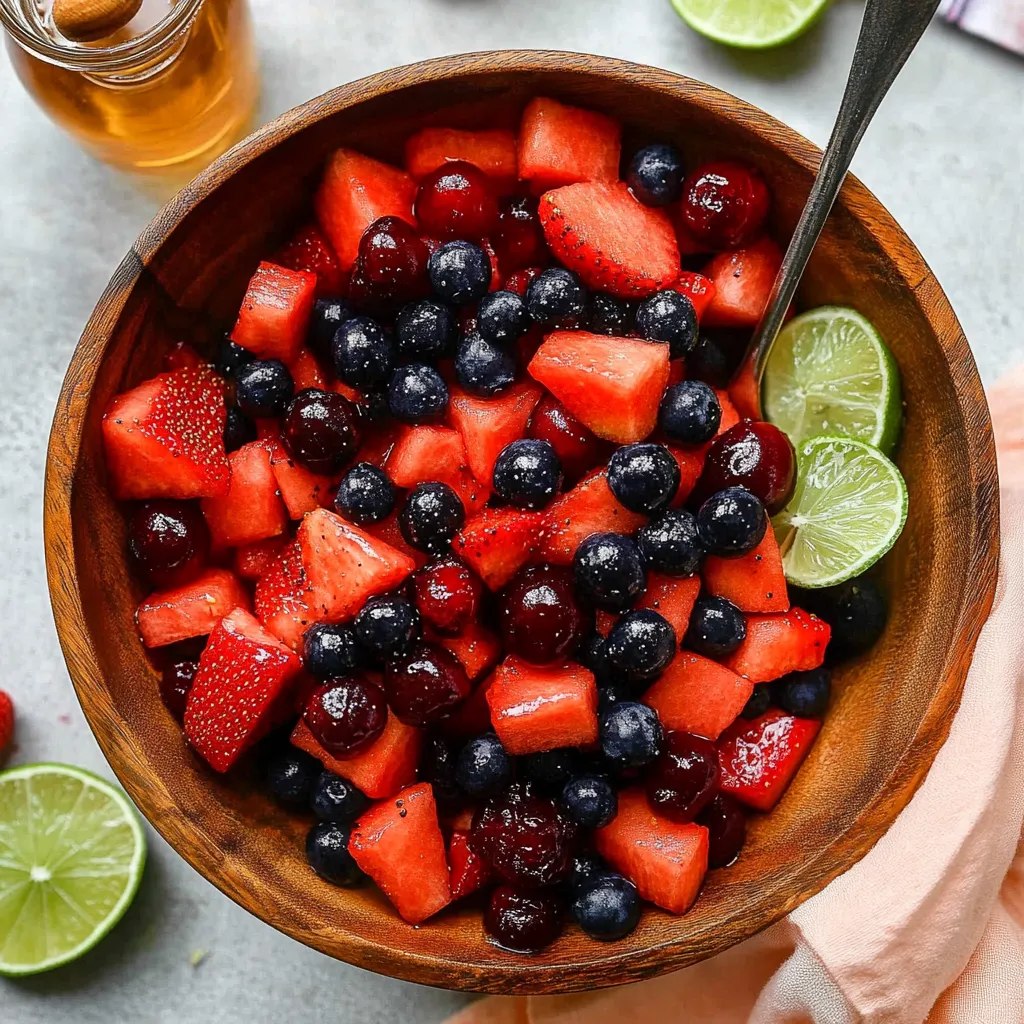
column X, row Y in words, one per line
column 1000, row 21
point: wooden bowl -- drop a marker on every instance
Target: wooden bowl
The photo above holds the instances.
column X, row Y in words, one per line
column 185, row 277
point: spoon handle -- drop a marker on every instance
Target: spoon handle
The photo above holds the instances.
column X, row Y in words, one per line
column 888, row 34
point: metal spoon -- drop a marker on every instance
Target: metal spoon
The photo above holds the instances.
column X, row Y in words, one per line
column 888, row 34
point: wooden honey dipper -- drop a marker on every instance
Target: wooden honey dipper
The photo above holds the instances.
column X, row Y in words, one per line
column 85, row 21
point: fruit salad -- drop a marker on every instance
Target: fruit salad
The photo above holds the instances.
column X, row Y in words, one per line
column 461, row 536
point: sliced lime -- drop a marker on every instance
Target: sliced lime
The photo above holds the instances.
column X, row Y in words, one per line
column 71, row 857
column 849, row 507
column 750, row 24
column 829, row 372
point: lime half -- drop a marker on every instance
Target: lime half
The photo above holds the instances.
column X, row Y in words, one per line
column 750, row 24
column 829, row 372
column 849, row 507
column 71, row 857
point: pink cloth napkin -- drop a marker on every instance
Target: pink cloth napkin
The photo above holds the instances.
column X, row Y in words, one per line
column 930, row 924
column 1001, row 21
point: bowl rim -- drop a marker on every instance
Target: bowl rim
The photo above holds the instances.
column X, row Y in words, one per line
column 120, row 749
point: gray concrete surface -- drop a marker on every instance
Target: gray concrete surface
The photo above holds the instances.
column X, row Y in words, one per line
column 945, row 154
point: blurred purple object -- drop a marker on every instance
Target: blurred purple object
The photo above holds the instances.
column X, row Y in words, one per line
column 1001, row 21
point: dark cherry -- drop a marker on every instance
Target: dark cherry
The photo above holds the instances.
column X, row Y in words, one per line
column 727, row 830
column 539, row 617
column 391, row 266
column 725, row 204
column 525, row 838
column 346, row 714
column 447, row 595
column 425, row 684
column 524, row 921
column 519, row 237
column 684, row 778
column 754, row 455
column 457, row 201
column 167, row 540
column 576, row 447
column 321, row 430
column 176, row 684
column 437, row 766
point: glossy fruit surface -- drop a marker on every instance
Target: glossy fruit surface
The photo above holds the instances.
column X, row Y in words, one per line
column 607, row 314
column 327, row 853
column 556, row 296
column 690, row 412
column 447, row 595
column 363, row 354
column 167, row 538
column 457, row 201
column 417, row 393
column 576, row 447
column 684, row 778
column 607, row 907
column 176, row 684
column 425, row 684
column 640, row 645
column 484, row 767
column 519, row 238
column 524, row 921
column 321, row 430
column 609, row 571
column 346, row 715
column 727, row 830
column 333, row 798
column 263, row 388
column 502, row 317
column 631, row 734
column 431, row 517
column 717, row 628
column 754, row 455
column 731, row 522
column 365, row 494
column 590, row 801
column 330, row 650
column 289, row 777
column 655, row 175
column 392, row 263
column 483, row 367
column 643, row 477
column 387, row 625
column 669, row 316
column 527, row 473
column 539, row 616
column 725, row 204
column 425, row 329
column 460, row 272
column 670, row 545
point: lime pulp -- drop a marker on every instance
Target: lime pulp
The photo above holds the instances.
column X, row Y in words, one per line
column 750, row 24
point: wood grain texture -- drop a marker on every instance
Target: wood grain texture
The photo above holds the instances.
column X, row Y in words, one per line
column 185, row 277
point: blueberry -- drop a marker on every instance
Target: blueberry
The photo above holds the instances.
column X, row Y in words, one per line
column 432, row 515
column 438, row 767
column 527, row 473
column 290, row 776
column 643, row 477
column 425, row 330
column 717, row 356
column 550, row 770
column 804, row 694
column 555, row 296
column 655, row 175
column 590, row 801
column 386, row 626
column 417, row 393
column 668, row 316
column 585, row 865
column 612, row 693
column 460, row 272
column 327, row 316
column 364, row 355
column 731, row 523
column 608, row 314
column 593, row 654
column 231, row 357
column 630, row 734
column 264, row 388
column 670, row 544
column 336, row 799
column 716, row 628
column 330, row 650
column 607, row 907
column 482, row 367
column 757, row 703
column 641, row 644
column 609, row 571
column 484, row 766
column 856, row 611
column 238, row 429
column 690, row 412
column 502, row 318
column 365, row 494
column 327, row 853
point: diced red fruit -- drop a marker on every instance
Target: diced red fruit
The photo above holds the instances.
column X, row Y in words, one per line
column 301, row 489
column 398, row 843
column 382, row 769
column 473, row 716
column 425, row 683
column 243, row 681
column 559, row 145
column 539, row 616
column 168, row 542
column 611, row 385
column 252, row 509
column 672, row 598
column 487, row 425
column 309, row 250
column 6, row 721
column 436, row 453
column 469, row 871
column 478, row 648
column 391, row 267
column 730, row 415
column 167, row 616
column 346, row 715
column 356, row 191
column 519, row 238
column 743, row 283
column 578, row 449
column 666, row 860
column 676, row 371
column 534, row 709
column 183, row 357
column 457, row 200
column 275, row 312
column 280, row 600
column 725, row 204
column 519, row 280
column 497, row 542
column 253, row 560
column 447, row 595
column 165, row 438
column 390, row 532
column 697, row 695
column 378, row 442
column 615, row 243
column 778, row 644
column 758, row 759
column 699, row 289
column 691, row 465
column 493, row 151
column 745, row 392
column 306, row 371
column 754, row 582
column 688, row 245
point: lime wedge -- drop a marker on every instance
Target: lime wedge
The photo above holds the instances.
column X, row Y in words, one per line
column 830, row 373
column 849, row 507
column 71, row 857
column 750, row 24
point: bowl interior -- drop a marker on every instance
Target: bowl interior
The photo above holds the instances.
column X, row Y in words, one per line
column 185, row 278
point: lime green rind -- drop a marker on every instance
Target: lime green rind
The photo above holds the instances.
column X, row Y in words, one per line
column 750, row 24
column 82, row 891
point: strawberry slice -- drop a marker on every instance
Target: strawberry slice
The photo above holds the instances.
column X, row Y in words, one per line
column 667, row 861
column 243, row 679
column 165, row 438
column 697, row 695
column 253, row 560
column 275, row 312
column 611, row 385
column 167, row 616
column 779, row 644
column 469, row 871
column 755, row 582
column 345, row 565
column 281, row 597
column 252, row 509
column 477, row 647
column 615, row 243
column 493, row 151
column 700, row 290
column 183, row 357
column 743, row 283
column 759, row 758
column 398, row 843
column 309, row 250
column 436, row 453
column 673, row 598
column 497, row 542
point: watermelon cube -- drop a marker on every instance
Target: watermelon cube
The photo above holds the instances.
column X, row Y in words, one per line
column 280, row 601
column 252, row 509
column 436, row 453
column 755, row 582
column 493, row 151
column 743, row 282
column 691, row 465
column 310, row 251
column 700, row 290
column 469, row 871
column 253, row 560
column 301, row 489
column 167, row 616
column 306, row 371
column 497, row 542
column 390, row 532
column 671, row 597
column 477, row 647
column 275, row 312
column 778, row 644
